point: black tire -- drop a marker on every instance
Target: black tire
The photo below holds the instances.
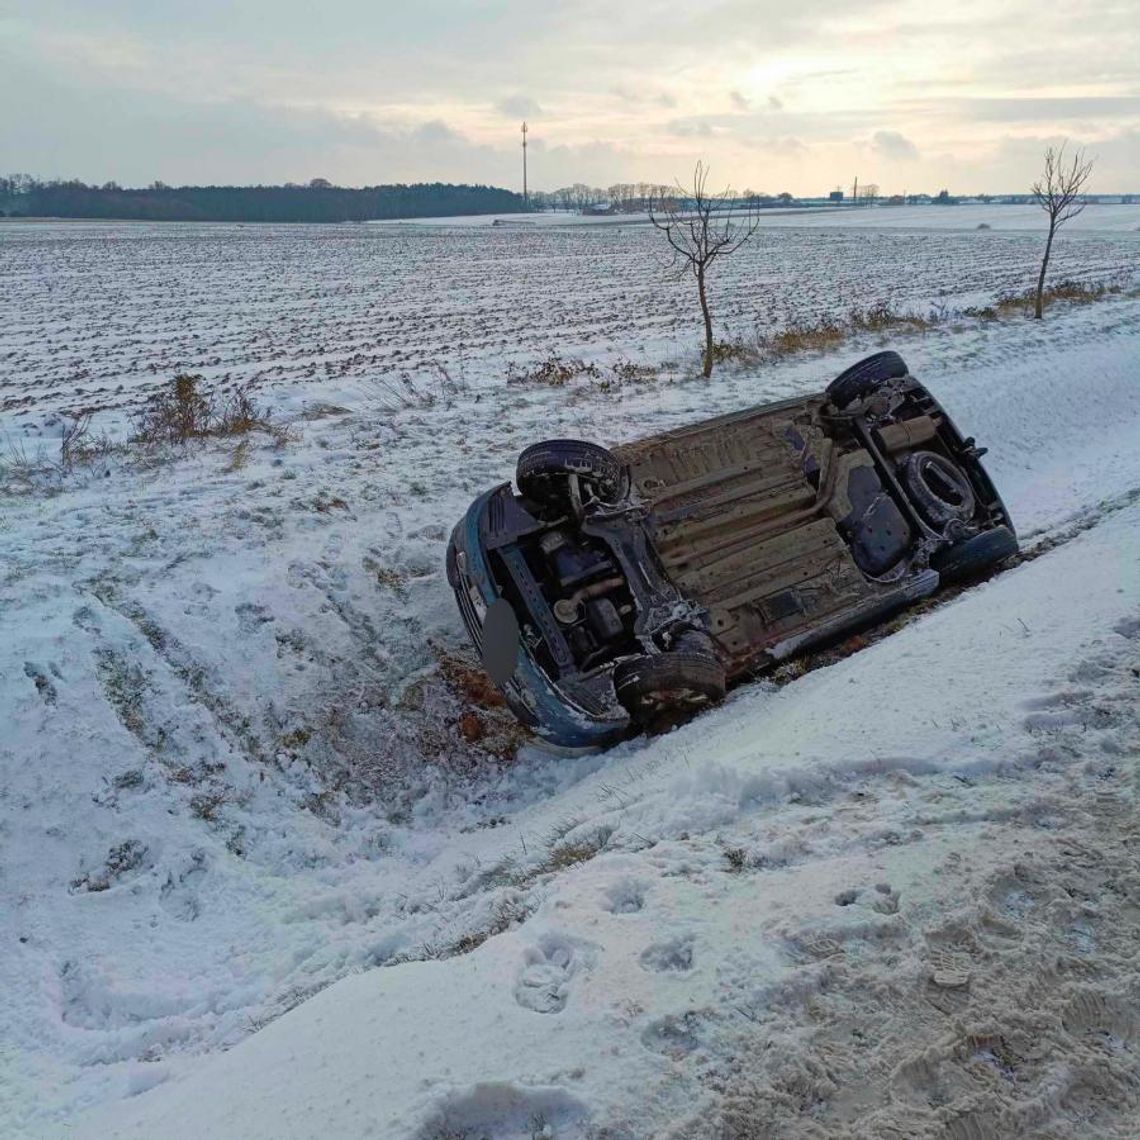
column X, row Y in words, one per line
column 451, row 565
column 677, row 681
column 975, row 555
column 939, row 488
column 866, row 377
column 542, row 465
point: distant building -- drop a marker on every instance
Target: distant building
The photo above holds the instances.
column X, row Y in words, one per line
column 835, row 196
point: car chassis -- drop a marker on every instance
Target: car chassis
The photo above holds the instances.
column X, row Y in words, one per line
column 621, row 588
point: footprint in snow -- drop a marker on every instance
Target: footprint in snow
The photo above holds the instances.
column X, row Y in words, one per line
column 543, row 983
column 1105, row 1019
column 674, row 954
column 675, row 1035
column 42, row 682
column 251, row 616
column 626, row 896
column 885, row 900
column 1128, row 627
column 86, row 619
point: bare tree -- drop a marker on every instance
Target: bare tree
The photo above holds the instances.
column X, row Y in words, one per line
column 700, row 228
column 1058, row 192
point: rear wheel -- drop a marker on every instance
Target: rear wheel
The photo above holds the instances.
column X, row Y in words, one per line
column 975, row 555
column 676, row 682
column 543, row 467
column 865, row 378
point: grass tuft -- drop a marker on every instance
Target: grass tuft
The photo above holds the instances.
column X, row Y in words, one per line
column 553, row 372
column 185, row 411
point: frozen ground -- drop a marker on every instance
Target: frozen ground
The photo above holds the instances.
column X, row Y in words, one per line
column 897, row 899
column 1106, row 218
column 232, row 773
column 98, row 314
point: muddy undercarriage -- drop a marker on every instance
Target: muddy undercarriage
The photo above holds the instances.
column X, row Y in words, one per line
column 618, row 585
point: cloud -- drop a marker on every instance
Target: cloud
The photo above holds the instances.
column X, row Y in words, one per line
column 689, row 128
column 891, row 145
column 111, row 134
column 260, row 90
column 636, row 98
column 743, row 104
column 518, row 107
column 787, row 146
column 436, row 131
column 1046, row 109
column 1013, row 162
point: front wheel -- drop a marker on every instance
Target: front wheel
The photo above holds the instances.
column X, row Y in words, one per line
column 543, row 467
column 865, row 378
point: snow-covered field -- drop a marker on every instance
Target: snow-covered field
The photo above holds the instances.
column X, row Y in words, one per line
column 893, row 897
column 1106, row 219
column 98, row 314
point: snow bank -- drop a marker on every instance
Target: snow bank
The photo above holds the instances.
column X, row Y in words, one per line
column 894, row 816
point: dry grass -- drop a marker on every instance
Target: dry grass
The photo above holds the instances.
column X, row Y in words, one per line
column 239, row 415
column 1067, row 291
column 176, row 414
column 735, row 351
column 405, row 392
column 880, row 318
column 553, row 372
column 121, row 860
column 798, row 338
column 185, row 411
column 239, row 457
column 484, row 724
column 828, row 333
column 627, row 372
column 506, row 913
column 17, row 465
column 74, row 437
column 181, row 412
column 570, row 852
column 467, row 680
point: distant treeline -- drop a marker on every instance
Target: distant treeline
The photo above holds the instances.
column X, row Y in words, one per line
column 319, row 201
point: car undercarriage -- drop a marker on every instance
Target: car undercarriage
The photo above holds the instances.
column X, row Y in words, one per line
column 619, row 587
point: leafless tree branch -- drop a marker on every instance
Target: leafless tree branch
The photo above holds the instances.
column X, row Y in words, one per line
column 701, row 227
column 1059, row 192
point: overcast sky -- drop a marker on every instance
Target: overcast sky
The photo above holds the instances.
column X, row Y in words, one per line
column 797, row 95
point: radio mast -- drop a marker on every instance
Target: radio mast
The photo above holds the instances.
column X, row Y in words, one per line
column 524, row 165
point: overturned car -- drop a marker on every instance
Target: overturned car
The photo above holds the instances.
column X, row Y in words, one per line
column 619, row 587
